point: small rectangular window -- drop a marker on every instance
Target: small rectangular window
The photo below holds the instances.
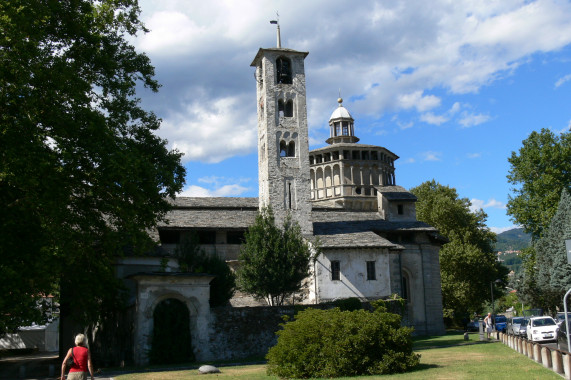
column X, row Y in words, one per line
column 335, row 270
column 400, row 209
column 371, row 274
column 206, row 237
column 235, row 237
column 169, row 236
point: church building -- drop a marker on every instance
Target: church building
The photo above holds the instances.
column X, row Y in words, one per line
column 345, row 194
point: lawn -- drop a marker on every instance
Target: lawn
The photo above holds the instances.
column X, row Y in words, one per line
column 448, row 358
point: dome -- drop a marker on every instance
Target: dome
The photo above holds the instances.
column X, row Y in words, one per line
column 340, row 112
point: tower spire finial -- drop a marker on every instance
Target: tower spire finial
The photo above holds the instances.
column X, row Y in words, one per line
column 277, row 22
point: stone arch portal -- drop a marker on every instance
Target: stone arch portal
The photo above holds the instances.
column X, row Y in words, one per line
column 192, row 290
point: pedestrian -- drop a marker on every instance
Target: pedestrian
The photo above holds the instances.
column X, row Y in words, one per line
column 488, row 324
column 81, row 360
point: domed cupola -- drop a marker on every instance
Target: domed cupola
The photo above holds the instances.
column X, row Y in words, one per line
column 341, row 126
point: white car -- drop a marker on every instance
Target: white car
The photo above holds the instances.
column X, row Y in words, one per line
column 541, row 329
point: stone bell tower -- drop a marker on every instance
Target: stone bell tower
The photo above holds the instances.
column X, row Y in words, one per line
column 283, row 146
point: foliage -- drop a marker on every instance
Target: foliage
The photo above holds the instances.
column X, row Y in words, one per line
column 553, row 274
column 348, row 304
column 273, row 261
column 539, row 172
column 467, row 262
column 191, row 258
column 333, row 343
column 171, row 342
column 83, row 176
column 525, row 280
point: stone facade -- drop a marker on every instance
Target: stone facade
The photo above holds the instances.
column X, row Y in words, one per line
column 343, row 195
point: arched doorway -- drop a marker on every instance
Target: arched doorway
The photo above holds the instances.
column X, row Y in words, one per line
column 171, row 342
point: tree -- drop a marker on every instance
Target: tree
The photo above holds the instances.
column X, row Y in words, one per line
column 539, row 172
column 467, row 263
column 273, row 261
column 83, row 176
column 191, row 258
column 553, row 273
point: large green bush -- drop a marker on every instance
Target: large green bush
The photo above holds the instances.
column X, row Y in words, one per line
column 333, row 343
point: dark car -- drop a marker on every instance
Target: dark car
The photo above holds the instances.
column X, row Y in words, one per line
column 501, row 323
column 562, row 337
column 473, row 325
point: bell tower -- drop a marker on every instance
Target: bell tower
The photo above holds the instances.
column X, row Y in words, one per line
column 283, row 143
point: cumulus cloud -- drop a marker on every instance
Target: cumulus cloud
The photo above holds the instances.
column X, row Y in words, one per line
column 470, row 120
column 474, row 155
column 224, row 191
column 431, row 118
column 499, row 230
column 431, row 156
column 385, row 56
column 562, row 80
column 477, row 204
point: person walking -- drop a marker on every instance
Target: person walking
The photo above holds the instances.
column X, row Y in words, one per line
column 81, row 360
column 488, row 324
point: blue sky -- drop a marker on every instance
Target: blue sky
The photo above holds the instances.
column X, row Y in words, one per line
column 452, row 88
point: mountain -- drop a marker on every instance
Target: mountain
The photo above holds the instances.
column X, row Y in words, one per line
column 513, row 240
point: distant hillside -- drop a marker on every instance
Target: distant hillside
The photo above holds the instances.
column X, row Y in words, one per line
column 512, row 240
column 515, row 240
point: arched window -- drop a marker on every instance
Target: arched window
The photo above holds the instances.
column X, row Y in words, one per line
column 283, row 70
column 283, row 149
column 288, row 112
column 291, row 149
column 345, row 128
column 281, row 108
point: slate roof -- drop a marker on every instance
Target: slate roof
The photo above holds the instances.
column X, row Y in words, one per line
column 211, row 213
column 335, row 228
column 352, row 229
column 396, row 193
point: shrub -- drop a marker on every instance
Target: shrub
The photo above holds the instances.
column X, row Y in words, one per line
column 333, row 343
column 349, row 304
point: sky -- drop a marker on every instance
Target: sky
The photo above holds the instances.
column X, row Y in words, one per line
column 451, row 87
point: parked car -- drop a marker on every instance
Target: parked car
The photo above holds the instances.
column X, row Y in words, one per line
column 561, row 318
column 501, row 323
column 542, row 329
column 517, row 326
column 562, row 337
column 474, row 325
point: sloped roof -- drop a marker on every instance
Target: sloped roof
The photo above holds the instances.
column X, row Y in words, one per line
column 396, row 193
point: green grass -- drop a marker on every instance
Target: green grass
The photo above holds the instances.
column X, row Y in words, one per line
column 452, row 338
column 473, row 361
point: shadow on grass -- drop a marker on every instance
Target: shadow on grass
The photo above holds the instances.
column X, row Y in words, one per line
column 452, row 338
column 423, row 367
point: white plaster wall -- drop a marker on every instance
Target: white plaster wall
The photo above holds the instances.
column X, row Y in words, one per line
column 353, row 278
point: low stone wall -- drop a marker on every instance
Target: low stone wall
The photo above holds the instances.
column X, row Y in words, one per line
column 556, row 360
column 249, row 332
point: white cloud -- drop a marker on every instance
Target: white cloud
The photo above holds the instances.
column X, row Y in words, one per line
column 469, row 120
column 433, row 119
column 211, row 132
column 477, row 204
column 499, row 230
column 202, row 52
column 474, row 155
column 431, row 156
column 419, row 101
column 224, row 191
column 562, row 80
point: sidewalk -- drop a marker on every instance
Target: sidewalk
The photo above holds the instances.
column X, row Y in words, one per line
column 37, row 366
